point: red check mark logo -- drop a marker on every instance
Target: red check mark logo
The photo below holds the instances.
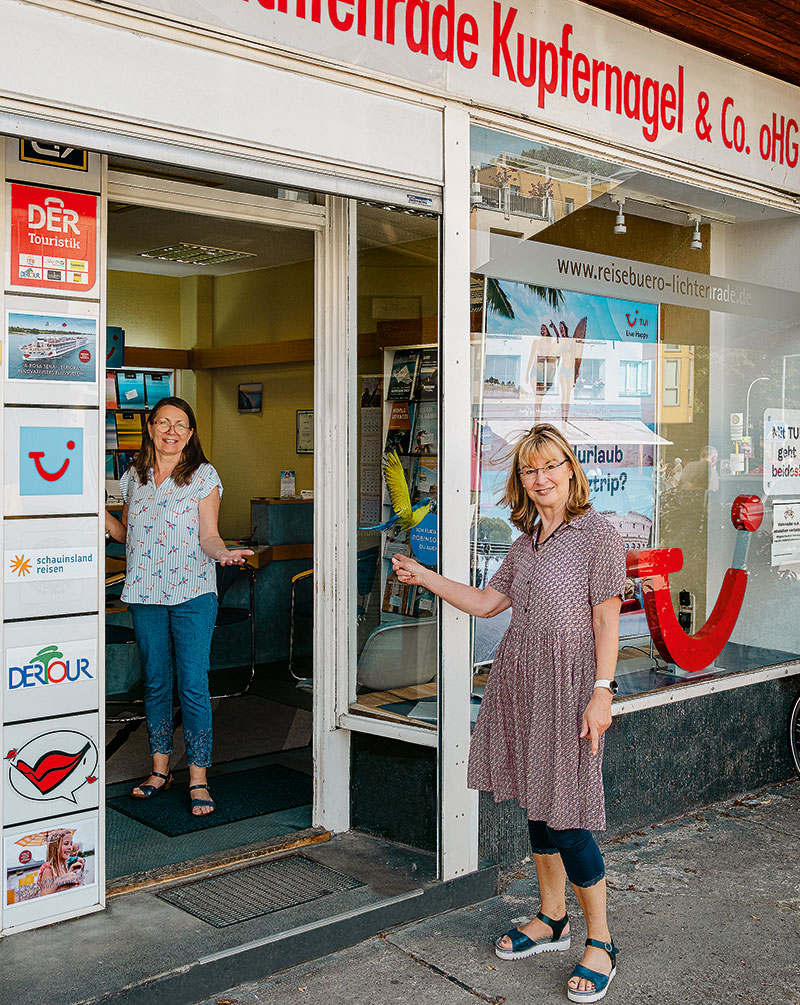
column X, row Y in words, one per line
column 50, row 476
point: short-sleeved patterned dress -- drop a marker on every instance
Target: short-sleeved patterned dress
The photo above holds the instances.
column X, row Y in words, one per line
column 526, row 743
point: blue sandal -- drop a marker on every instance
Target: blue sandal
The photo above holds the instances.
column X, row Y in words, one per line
column 522, row 946
column 148, row 791
column 600, row 981
column 202, row 802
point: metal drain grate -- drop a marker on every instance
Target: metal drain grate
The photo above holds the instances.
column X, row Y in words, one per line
column 257, row 890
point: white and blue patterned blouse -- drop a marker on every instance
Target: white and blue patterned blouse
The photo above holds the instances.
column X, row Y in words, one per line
column 164, row 561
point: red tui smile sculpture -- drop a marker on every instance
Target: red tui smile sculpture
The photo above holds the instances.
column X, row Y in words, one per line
column 698, row 651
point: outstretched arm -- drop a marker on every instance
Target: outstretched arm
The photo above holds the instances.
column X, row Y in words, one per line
column 481, row 603
column 210, row 541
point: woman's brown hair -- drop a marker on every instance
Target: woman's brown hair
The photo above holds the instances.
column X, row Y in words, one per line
column 542, row 441
column 192, row 455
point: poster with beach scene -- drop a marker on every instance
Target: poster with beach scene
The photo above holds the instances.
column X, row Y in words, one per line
column 59, row 348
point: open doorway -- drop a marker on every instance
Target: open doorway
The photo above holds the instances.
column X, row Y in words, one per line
column 218, row 310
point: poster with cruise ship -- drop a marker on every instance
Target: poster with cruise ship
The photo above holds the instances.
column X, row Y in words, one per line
column 51, row 347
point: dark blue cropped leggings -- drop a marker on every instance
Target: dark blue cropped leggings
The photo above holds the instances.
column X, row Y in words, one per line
column 577, row 848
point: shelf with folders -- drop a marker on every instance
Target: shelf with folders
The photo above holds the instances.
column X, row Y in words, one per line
column 407, row 485
column 130, row 394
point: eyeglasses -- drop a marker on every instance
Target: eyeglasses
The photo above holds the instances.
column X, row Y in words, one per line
column 529, row 474
column 165, row 424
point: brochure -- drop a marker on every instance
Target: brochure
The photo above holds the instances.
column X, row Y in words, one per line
column 403, row 378
column 130, row 387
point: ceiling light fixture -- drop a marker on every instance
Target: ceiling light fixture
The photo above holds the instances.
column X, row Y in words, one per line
column 697, row 243
column 619, row 223
column 195, row 254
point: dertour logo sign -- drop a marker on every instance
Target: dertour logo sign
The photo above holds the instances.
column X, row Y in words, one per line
column 55, row 663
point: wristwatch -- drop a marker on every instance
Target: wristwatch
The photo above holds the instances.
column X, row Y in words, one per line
column 612, row 685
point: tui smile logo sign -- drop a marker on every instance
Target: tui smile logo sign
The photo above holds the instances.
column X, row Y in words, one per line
column 50, row 460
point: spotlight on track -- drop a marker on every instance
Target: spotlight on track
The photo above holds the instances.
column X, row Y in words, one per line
column 697, row 243
column 619, row 223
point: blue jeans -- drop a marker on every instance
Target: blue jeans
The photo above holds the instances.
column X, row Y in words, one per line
column 189, row 626
column 578, row 850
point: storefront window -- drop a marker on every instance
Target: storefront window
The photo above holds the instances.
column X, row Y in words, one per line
column 658, row 325
column 394, row 625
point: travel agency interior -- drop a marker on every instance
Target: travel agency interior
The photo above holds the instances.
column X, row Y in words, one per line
column 347, row 230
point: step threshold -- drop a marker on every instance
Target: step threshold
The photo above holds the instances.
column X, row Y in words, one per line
column 170, row 939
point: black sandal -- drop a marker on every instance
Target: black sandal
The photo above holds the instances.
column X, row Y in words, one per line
column 202, row 802
column 600, row 981
column 148, row 791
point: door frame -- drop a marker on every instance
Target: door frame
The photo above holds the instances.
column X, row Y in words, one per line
column 330, row 224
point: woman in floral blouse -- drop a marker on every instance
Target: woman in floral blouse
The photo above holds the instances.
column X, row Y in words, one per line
column 169, row 526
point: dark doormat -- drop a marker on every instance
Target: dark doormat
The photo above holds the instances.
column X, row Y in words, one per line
column 257, row 890
column 238, row 795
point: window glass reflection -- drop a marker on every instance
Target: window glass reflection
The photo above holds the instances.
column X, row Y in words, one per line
column 670, row 361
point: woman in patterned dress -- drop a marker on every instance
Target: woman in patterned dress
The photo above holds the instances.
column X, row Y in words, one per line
column 169, row 526
column 539, row 734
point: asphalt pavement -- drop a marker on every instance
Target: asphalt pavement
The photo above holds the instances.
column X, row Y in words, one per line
column 704, row 907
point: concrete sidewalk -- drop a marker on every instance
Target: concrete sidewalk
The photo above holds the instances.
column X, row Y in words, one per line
column 705, row 908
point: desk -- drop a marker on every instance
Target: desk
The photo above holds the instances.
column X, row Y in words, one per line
column 370, row 704
column 264, row 554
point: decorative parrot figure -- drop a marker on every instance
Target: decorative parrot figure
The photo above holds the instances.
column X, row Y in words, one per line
column 399, row 493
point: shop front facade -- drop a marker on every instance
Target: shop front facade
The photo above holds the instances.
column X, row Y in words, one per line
column 426, row 227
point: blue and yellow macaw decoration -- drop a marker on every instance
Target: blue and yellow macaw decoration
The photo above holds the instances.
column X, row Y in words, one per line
column 404, row 514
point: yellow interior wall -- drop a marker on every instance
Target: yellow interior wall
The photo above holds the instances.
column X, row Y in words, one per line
column 248, row 451
column 147, row 307
column 407, row 271
column 267, row 305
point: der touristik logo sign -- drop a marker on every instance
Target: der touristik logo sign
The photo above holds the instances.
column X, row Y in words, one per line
column 53, row 239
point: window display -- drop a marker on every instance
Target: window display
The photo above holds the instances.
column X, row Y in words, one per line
column 658, row 326
column 398, row 465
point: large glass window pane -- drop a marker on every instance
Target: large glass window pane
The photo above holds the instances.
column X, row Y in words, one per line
column 658, row 325
column 395, row 626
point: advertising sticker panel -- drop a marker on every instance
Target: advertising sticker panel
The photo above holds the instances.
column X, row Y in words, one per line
column 51, row 461
column 50, row 766
column 51, row 352
column 51, row 869
column 50, row 668
column 53, row 240
column 50, row 567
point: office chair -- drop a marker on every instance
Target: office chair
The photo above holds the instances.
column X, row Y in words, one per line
column 227, row 576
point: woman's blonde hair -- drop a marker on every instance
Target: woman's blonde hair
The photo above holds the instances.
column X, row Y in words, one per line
column 54, row 839
column 543, row 440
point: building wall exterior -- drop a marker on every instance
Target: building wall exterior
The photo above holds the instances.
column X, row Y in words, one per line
column 342, row 99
